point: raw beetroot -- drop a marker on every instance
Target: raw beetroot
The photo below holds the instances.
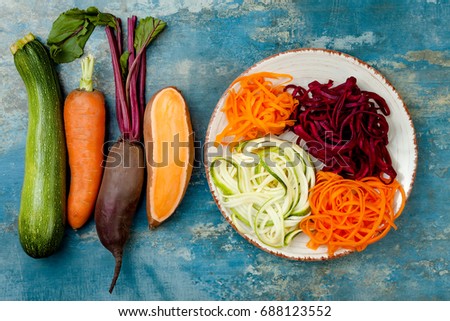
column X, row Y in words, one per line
column 345, row 128
column 125, row 166
column 118, row 198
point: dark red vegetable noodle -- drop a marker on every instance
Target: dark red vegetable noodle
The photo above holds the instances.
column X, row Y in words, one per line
column 345, row 128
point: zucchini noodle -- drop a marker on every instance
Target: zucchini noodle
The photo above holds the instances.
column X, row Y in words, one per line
column 264, row 184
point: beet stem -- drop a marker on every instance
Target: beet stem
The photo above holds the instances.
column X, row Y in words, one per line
column 119, row 83
column 118, row 257
column 119, row 38
column 142, row 75
column 131, row 93
column 131, row 83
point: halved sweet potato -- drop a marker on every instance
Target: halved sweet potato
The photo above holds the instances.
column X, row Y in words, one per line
column 169, row 147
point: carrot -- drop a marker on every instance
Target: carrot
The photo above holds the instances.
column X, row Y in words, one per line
column 258, row 107
column 350, row 214
column 84, row 120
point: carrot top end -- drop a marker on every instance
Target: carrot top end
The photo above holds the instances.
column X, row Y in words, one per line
column 87, row 69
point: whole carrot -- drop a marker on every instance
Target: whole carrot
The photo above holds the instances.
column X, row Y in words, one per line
column 84, row 120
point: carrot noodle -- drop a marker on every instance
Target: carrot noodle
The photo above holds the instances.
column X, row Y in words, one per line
column 350, row 214
column 257, row 107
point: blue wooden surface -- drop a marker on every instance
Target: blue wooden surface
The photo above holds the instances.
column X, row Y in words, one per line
column 196, row 255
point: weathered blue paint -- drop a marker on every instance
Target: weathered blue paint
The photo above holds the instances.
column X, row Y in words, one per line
column 196, row 255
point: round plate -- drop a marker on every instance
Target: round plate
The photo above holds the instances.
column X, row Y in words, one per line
column 307, row 65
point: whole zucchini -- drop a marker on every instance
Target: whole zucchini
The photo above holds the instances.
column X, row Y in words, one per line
column 43, row 201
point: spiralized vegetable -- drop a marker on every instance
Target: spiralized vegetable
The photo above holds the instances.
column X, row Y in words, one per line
column 256, row 106
column 351, row 214
column 345, row 128
column 265, row 184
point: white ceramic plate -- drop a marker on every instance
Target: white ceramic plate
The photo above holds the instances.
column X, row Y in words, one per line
column 307, row 65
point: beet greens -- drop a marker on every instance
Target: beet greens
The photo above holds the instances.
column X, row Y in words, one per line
column 130, row 71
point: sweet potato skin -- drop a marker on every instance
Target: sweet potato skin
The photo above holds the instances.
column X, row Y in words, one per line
column 148, row 145
column 118, row 197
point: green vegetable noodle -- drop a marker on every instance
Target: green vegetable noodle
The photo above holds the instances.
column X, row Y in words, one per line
column 43, row 202
column 264, row 184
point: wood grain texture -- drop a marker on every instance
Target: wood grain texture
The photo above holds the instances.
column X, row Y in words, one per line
column 196, row 255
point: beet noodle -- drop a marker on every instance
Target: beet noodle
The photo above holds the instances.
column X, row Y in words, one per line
column 345, row 128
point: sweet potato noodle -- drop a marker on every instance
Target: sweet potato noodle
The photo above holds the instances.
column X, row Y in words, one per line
column 345, row 128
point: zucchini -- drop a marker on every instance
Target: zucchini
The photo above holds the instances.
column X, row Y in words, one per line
column 43, row 201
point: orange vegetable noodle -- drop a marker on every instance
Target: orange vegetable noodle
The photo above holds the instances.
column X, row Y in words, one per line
column 350, row 214
column 257, row 107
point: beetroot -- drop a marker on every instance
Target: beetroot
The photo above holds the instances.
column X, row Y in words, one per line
column 125, row 165
column 118, row 198
column 345, row 128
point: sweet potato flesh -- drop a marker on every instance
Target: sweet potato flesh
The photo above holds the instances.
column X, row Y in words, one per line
column 167, row 129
